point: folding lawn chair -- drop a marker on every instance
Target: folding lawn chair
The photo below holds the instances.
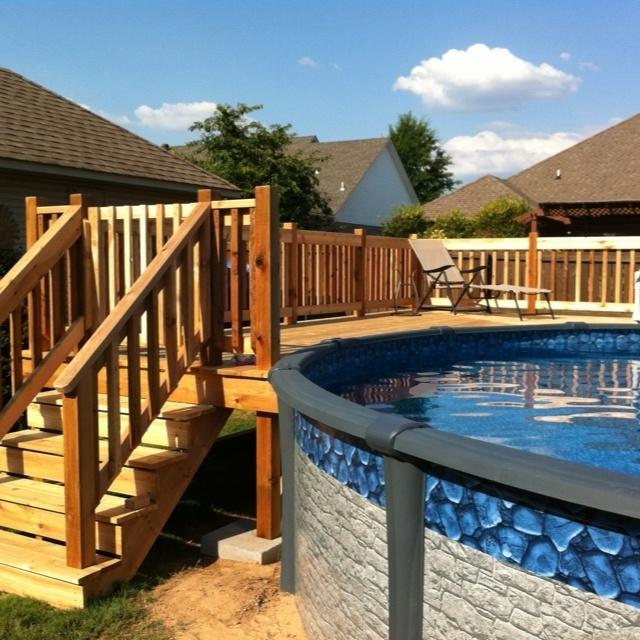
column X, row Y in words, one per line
column 441, row 272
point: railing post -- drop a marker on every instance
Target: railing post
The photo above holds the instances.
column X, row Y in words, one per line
column 292, row 301
column 80, row 430
column 532, row 270
column 360, row 273
column 264, row 251
column 404, row 485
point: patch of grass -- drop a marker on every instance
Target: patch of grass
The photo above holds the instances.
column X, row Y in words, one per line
column 239, row 421
column 120, row 615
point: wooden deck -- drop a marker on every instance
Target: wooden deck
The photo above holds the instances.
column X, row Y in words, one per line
column 310, row 332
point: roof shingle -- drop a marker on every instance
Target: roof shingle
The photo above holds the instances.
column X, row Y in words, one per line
column 39, row 126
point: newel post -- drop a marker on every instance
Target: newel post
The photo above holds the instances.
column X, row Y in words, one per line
column 264, row 256
column 80, row 430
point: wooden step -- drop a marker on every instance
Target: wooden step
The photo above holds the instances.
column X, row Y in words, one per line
column 171, row 429
column 38, row 508
column 29, row 567
column 35, row 464
column 52, row 443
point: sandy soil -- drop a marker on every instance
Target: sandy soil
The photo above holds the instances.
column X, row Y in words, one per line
column 226, row 601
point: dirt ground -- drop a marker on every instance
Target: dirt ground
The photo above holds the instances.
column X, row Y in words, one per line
column 226, row 601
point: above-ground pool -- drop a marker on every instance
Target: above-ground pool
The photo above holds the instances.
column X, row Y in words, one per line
column 485, row 485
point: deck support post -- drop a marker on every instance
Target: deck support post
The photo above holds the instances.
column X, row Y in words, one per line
column 532, row 259
column 293, row 301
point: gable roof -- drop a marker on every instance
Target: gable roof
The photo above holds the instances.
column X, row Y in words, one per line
column 39, row 126
column 603, row 168
column 466, row 198
column 344, row 163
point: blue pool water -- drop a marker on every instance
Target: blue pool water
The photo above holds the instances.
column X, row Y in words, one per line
column 578, row 408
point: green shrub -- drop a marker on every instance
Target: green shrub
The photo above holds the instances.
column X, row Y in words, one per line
column 454, row 224
column 404, row 221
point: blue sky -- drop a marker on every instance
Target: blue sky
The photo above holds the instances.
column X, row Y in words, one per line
column 504, row 84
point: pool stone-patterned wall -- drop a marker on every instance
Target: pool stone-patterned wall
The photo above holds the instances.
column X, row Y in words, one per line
column 341, row 558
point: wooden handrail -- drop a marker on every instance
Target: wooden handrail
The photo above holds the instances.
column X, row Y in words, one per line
column 95, row 347
column 39, row 259
column 170, row 283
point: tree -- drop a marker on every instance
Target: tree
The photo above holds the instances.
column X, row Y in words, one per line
column 425, row 161
column 405, row 220
column 242, row 150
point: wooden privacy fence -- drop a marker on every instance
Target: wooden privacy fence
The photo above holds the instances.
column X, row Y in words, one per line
column 584, row 273
column 332, row 273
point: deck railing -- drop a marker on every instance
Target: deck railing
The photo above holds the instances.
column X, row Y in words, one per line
column 41, row 299
column 333, row 273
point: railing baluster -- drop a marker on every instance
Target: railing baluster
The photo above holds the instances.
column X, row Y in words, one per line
column 186, row 301
column 15, row 344
column 114, row 433
column 153, row 354
column 134, row 381
column 170, row 325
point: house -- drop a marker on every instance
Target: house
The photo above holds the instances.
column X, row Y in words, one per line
column 362, row 179
column 51, row 147
column 595, row 183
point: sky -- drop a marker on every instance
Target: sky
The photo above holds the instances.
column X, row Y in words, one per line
column 504, row 83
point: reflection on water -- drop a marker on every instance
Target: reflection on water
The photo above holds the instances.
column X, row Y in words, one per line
column 580, row 409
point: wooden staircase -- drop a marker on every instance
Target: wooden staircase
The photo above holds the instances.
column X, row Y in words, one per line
column 128, row 517
column 116, row 419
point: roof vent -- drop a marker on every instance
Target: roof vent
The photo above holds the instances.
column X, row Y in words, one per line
column 317, row 172
column 558, row 174
column 342, row 186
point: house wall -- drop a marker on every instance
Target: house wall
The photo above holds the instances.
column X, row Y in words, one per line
column 15, row 186
column 380, row 189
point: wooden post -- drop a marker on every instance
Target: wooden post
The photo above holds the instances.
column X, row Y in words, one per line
column 80, row 420
column 264, row 252
column 359, row 274
column 31, row 205
column 218, row 280
column 293, row 274
column 532, row 267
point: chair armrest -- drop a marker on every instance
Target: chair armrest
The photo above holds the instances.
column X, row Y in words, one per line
column 482, row 267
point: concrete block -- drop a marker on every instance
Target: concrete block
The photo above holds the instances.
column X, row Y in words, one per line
column 237, row 541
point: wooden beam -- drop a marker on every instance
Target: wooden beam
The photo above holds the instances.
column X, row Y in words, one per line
column 292, row 293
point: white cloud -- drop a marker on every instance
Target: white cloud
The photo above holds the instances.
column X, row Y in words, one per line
column 306, row 61
column 177, row 116
column 490, row 152
column 481, row 79
column 565, row 56
column 589, row 66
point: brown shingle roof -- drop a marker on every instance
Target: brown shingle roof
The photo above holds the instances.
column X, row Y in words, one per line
column 603, row 168
column 469, row 198
column 344, row 163
column 37, row 125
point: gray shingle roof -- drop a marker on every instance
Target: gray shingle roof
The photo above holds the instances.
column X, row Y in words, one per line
column 39, row 126
column 602, row 168
column 344, row 163
column 466, row 199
